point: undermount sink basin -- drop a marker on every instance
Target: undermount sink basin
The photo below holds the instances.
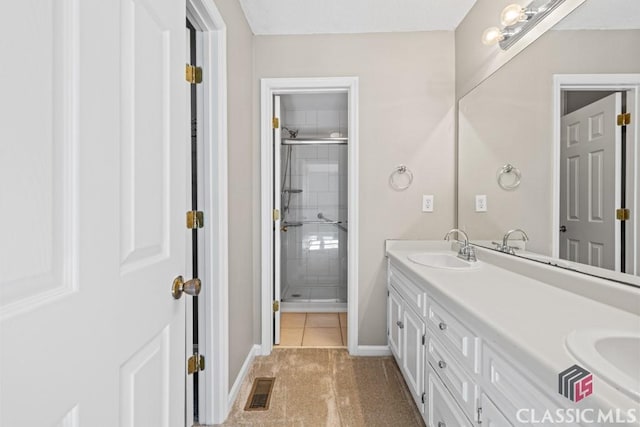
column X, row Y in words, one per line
column 446, row 260
column 612, row 355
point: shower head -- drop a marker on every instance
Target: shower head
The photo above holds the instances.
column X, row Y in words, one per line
column 292, row 133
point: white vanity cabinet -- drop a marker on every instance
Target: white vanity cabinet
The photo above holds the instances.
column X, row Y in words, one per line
column 455, row 377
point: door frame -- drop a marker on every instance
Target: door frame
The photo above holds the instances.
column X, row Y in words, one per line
column 605, row 82
column 277, row 86
column 212, row 177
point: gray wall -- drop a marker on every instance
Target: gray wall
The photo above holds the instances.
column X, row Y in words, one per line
column 406, row 116
column 242, row 234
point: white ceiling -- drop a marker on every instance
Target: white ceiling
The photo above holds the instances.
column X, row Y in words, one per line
column 603, row 14
column 353, row 16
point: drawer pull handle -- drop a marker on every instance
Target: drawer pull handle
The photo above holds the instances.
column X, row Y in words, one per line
column 441, row 424
column 442, row 364
column 442, row 326
column 400, row 324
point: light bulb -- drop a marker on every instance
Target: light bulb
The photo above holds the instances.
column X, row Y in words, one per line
column 512, row 14
column 492, row 35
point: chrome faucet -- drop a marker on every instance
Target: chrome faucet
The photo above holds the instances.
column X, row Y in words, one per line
column 466, row 251
column 504, row 247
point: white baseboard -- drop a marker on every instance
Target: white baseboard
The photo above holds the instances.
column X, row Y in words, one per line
column 233, row 393
column 373, row 350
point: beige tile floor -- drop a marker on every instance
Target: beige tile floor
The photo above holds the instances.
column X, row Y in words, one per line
column 313, row 329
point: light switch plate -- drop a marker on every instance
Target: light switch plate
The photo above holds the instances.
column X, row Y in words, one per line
column 481, row 202
column 427, row 203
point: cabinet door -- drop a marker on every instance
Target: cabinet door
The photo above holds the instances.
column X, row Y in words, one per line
column 394, row 321
column 413, row 353
column 443, row 410
column 491, row 416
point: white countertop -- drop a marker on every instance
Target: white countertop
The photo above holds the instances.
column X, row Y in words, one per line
column 526, row 317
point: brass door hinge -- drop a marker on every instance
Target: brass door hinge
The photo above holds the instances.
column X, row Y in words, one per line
column 624, row 119
column 195, row 219
column 276, row 306
column 195, row 363
column 623, row 214
column 276, row 214
column 276, row 122
column 193, row 74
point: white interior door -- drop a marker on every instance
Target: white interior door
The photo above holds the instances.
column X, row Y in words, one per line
column 590, row 159
column 277, row 198
column 93, row 194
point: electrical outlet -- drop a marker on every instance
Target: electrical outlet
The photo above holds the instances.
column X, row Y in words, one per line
column 427, row 203
column 481, row 202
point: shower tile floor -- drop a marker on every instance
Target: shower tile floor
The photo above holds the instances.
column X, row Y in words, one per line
column 313, row 330
column 315, row 293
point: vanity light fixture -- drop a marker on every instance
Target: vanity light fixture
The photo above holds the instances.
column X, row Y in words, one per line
column 517, row 21
column 515, row 13
column 492, row 35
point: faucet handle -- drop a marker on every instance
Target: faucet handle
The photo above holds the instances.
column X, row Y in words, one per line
column 471, row 253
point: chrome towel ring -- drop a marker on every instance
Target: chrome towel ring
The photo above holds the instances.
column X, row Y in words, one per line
column 508, row 177
column 401, row 178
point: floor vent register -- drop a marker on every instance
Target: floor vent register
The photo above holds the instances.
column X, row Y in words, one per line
column 260, row 395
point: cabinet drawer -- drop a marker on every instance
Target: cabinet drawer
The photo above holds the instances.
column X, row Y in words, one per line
column 510, row 389
column 459, row 383
column 443, row 410
column 456, row 337
column 415, row 297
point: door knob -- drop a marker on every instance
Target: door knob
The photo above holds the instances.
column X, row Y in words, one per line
column 563, row 229
column 190, row 287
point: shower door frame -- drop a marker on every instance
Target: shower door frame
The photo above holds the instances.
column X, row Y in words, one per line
column 280, row 86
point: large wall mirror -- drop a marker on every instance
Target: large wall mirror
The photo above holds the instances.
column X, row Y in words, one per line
column 540, row 148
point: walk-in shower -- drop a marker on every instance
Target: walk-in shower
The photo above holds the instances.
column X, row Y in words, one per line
column 314, row 200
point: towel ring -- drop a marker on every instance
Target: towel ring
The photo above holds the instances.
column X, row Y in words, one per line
column 400, row 170
column 511, row 171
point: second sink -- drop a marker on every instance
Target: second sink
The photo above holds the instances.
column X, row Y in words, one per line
column 612, row 355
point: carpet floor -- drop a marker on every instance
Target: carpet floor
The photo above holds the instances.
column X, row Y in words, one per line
column 327, row 387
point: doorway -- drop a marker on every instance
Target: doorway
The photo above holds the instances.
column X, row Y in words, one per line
column 311, row 193
column 596, row 174
column 212, row 245
column 309, row 204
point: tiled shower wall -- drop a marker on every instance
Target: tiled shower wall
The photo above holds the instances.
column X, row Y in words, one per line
column 314, row 256
column 316, row 123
